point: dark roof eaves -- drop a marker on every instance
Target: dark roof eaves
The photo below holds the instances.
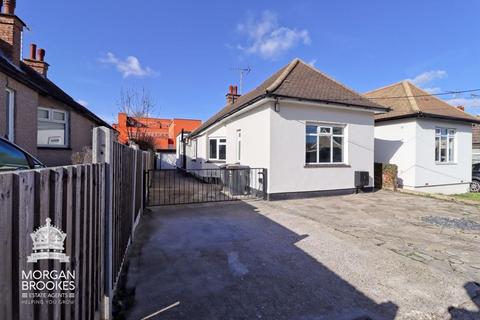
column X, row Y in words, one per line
column 427, row 115
column 380, row 108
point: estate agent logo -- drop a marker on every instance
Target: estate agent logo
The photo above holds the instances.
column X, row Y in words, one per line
column 48, row 244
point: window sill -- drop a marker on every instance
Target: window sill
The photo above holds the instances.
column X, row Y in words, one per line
column 215, row 161
column 327, row 165
column 446, row 163
column 53, row 148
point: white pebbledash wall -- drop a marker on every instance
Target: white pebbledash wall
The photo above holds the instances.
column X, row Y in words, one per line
column 410, row 144
column 276, row 141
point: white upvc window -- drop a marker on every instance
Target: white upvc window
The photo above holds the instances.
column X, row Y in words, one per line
column 445, row 145
column 52, row 128
column 239, row 145
column 217, row 149
column 194, row 149
column 10, row 108
column 324, row 143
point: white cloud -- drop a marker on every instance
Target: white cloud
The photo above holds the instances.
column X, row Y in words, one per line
column 267, row 39
column 428, row 76
column 466, row 102
column 131, row 66
column 83, row 102
column 312, row 62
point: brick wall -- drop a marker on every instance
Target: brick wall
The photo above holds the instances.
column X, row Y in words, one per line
column 10, row 37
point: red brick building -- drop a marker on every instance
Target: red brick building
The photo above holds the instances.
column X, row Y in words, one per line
column 164, row 131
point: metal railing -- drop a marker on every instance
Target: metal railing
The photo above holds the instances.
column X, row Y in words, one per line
column 167, row 187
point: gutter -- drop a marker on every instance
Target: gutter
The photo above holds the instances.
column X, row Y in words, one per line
column 428, row 115
column 328, row 102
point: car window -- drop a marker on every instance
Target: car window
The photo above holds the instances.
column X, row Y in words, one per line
column 476, row 167
column 11, row 158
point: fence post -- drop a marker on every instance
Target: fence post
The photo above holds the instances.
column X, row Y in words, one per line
column 134, row 189
column 103, row 139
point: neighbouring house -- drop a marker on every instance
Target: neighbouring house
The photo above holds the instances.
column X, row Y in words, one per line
column 38, row 115
column 429, row 140
column 163, row 131
column 310, row 132
column 476, row 143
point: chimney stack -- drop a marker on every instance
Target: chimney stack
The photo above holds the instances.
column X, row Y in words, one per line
column 39, row 64
column 461, row 108
column 232, row 94
column 11, row 28
column 41, row 55
column 9, row 7
column 33, row 51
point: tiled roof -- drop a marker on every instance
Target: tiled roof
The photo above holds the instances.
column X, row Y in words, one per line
column 32, row 79
column 301, row 81
column 407, row 100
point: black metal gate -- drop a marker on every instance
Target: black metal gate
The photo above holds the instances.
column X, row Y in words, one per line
column 167, row 187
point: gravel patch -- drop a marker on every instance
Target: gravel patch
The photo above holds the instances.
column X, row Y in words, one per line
column 452, row 223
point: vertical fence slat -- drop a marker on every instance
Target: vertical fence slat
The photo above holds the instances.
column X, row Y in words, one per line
column 69, row 218
column 6, row 213
column 58, row 221
column 26, row 213
column 43, row 212
column 79, row 190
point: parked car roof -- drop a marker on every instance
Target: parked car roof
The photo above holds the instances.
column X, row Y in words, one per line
column 10, row 157
column 297, row 80
column 32, row 79
column 408, row 100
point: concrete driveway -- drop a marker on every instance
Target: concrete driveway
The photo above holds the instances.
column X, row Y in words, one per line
column 379, row 255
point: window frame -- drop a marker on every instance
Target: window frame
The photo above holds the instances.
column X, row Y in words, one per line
column 218, row 144
column 331, row 135
column 439, row 135
column 239, row 145
column 195, row 149
column 11, row 114
column 50, row 119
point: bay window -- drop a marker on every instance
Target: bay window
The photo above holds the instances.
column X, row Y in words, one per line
column 217, row 149
column 52, row 128
column 445, row 145
column 324, row 144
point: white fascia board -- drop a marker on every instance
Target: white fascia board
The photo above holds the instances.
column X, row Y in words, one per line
column 330, row 105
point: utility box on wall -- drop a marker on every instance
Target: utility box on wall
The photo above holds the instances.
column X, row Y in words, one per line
column 361, row 179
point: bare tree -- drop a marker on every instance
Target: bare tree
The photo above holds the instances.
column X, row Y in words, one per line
column 137, row 105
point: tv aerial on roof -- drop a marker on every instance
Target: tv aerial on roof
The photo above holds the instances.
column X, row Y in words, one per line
column 243, row 72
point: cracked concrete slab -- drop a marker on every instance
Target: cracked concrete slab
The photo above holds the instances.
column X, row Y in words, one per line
column 365, row 256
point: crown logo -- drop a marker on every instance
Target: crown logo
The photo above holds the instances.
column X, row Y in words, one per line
column 48, row 243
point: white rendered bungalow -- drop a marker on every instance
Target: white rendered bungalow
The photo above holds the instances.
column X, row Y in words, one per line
column 311, row 133
column 429, row 140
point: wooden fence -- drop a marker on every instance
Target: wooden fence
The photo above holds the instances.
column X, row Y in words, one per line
column 96, row 205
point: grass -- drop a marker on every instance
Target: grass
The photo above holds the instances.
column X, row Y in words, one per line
column 474, row 196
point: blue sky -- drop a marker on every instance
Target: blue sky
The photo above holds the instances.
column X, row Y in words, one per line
column 185, row 52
